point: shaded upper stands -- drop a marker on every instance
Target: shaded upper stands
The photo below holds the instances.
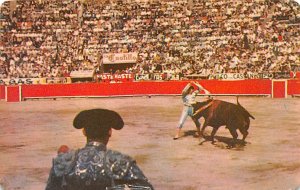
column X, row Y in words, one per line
column 188, row 37
column 37, row 42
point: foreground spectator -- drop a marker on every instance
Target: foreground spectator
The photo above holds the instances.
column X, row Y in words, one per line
column 95, row 166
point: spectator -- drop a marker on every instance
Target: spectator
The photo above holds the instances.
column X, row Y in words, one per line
column 95, row 166
column 163, row 33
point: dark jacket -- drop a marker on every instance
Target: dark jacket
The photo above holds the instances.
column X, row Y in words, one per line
column 95, row 168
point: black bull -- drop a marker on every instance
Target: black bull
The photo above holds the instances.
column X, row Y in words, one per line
column 218, row 113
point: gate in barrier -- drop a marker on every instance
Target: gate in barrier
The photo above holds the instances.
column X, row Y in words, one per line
column 13, row 93
column 279, row 88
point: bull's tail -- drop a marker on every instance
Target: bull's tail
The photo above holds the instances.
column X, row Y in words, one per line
column 243, row 109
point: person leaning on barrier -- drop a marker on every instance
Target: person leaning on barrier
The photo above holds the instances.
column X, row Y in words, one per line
column 94, row 167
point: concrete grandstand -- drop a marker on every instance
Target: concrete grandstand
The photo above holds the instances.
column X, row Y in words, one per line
column 177, row 38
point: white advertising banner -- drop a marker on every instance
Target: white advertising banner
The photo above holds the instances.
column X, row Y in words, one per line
column 82, row 74
column 112, row 58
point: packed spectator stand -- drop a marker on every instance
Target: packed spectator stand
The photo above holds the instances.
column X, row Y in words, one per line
column 180, row 39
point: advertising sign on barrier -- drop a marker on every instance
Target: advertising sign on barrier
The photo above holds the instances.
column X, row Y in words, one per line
column 140, row 77
column 58, row 80
column 242, row 76
column 49, row 80
column 16, row 81
column 282, row 75
column 82, row 74
column 156, row 76
column 115, row 77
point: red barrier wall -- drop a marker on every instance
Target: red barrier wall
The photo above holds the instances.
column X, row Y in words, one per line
column 13, row 94
column 293, row 87
column 141, row 88
column 279, row 90
column 2, row 92
column 238, row 86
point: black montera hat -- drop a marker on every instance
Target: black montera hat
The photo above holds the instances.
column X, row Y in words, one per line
column 97, row 122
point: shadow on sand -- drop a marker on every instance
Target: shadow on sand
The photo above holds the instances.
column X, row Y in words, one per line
column 190, row 133
column 220, row 142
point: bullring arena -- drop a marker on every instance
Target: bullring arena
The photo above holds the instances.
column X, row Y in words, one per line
column 32, row 131
column 59, row 57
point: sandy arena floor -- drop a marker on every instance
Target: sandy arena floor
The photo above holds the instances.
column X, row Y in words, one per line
column 31, row 132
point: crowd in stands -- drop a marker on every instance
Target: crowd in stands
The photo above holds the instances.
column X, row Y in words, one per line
column 51, row 38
